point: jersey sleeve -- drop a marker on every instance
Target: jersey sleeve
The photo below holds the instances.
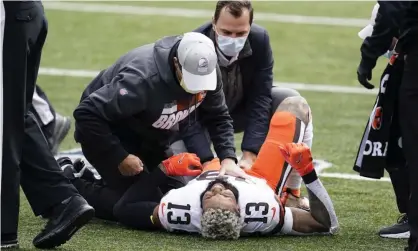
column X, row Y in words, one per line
column 260, row 211
column 180, row 210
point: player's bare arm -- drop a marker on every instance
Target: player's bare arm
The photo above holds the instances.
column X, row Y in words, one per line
column 322, row 217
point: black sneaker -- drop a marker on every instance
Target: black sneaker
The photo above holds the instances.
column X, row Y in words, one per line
column 399, row 230
column 9, row 241
column 67, row 218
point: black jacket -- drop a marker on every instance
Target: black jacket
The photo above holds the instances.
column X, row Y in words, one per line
column 257, row 74
column 394, row 19
column 139, row 99
column 402, row 19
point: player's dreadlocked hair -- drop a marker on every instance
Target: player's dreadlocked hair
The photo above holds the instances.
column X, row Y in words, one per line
column 220, row 224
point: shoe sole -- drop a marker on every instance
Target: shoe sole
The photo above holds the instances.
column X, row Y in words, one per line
column 62, row 235
column 404, row 235
column 8, row 246
column 62, row 133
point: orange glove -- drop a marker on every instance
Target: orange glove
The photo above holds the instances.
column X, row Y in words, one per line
column 213, row 165
column 183, row 164
column 299, row 156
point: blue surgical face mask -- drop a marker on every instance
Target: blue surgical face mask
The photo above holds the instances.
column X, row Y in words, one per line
column 230, row 46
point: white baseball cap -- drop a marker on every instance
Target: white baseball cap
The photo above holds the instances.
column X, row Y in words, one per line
column 368, row 30
column 197, row 57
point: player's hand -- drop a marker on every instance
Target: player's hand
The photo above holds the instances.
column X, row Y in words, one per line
column 364, row 76
column 229, row 167
column 247, row 160
column 131, row 166
column 299, row 156
column 183, row 164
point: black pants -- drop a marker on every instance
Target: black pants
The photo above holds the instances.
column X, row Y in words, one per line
column 27, row 159
column 400, row 182
column 103, row 195
column 408, row 111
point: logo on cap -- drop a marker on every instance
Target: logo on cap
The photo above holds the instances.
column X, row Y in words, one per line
column 203, row 65
column 123, row 92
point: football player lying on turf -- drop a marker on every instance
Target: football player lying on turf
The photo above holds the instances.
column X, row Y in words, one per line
column 230, row 203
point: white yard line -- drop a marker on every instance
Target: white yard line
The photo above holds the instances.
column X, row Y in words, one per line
column 179, row 12
column 200, row 13
column 296, row 86
column 347, row 176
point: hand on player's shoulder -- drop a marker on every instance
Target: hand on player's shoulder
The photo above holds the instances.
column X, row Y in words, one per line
column 229, row 167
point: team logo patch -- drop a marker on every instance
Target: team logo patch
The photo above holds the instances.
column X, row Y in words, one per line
column 377, row 118
column 123, row 92
column 176, row 111
column 203, row 65
column 393, row 59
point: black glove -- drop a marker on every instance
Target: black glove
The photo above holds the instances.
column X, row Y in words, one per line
column 364, row 76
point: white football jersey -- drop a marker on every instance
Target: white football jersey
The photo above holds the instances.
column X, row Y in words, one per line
column 180, row 209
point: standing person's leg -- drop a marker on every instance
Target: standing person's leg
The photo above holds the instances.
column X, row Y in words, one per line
column 41, row 179
column 14, row 77
column 49, row 192
column 400, row 185
column 37, row 162
column 409, row 127
column 2, row 19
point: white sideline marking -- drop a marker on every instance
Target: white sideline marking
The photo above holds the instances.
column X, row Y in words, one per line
column 347, row 176
column 296, row 86
column 196, row 13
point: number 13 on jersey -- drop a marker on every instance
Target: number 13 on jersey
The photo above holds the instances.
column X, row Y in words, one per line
column 182, row 217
